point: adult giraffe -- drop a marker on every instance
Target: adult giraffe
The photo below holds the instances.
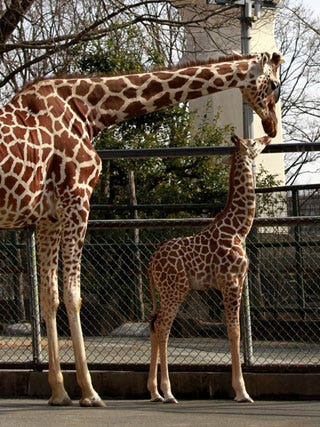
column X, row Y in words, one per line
column 49, row 166
column 213, row 258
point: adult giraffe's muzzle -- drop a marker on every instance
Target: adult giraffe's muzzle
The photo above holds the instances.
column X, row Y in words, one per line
column 270, row 127
column 270, row 123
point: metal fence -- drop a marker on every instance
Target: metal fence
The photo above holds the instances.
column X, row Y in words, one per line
column 281, row 310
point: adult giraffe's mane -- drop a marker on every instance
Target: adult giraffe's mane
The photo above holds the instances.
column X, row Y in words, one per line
column 220, row 59
column 64, row 76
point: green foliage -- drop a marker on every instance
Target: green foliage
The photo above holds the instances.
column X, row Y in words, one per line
column 184, row 180
column 269, row 204
column 127, row 51
column 158, row 181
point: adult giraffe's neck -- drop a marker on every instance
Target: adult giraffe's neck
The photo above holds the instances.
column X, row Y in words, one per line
column 110, row 100
column 240, row 208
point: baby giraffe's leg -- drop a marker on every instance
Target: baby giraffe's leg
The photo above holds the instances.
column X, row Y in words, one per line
column 165, row 383
column 152, row 384
column 169, row 307
column 231, row 298
column 172, row 284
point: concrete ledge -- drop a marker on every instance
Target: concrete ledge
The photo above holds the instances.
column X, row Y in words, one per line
column 185, row 385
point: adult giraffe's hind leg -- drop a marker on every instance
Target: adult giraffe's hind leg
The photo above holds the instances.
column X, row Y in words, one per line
column 48, row 239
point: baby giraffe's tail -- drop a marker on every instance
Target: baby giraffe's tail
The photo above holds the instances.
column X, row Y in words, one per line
column 154, row 312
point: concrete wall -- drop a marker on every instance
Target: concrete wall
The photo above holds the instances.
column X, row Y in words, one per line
column 203, row 44
column 185, row 385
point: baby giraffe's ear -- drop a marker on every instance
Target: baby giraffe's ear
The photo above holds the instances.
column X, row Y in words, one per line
column 235, row 139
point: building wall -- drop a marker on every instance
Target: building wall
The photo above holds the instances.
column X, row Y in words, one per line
column 204, row 44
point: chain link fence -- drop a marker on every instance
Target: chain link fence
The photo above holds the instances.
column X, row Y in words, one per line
column 281, row 308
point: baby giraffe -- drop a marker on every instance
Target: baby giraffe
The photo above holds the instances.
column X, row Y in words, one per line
column 213, row 258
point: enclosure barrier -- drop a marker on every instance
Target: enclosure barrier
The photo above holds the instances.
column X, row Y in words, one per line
column 281, row 303
column 282, row 311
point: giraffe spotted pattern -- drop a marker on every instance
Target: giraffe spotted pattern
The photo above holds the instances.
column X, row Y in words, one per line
column 48, row 166
column 213, row 258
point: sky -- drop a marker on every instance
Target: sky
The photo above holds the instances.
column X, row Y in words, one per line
column 314, row 5
column 311, row 178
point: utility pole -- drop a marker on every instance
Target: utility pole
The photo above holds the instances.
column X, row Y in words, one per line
column 250, row 12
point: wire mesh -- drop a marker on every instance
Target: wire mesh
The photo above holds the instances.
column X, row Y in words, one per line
column 283, row 288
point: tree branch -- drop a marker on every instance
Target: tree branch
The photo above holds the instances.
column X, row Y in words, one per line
column 11, row 18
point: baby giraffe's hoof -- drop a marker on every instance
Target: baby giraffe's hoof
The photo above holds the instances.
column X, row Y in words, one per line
column 157, row 399
column 94, row 402
column 66, row 401
column 246, row 399
column 170, row 400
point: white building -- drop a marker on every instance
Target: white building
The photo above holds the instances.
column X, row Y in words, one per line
column 204, row 44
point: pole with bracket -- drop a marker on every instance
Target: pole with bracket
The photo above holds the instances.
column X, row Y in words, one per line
column 251, row 11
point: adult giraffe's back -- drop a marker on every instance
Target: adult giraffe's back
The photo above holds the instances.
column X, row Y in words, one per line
column 48, row 166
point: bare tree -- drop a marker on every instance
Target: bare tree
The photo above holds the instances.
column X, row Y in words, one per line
column 299, row 42
column 12, row 16
column 43, row 38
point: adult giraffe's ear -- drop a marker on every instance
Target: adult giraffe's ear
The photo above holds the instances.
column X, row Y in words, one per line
column 277, row 59
column 265, row 57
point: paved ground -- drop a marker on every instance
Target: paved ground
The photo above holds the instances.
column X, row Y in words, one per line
column 141, row 413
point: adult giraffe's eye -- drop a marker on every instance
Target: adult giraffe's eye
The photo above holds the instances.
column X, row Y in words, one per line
column 277, row 93
column 274, row 85
column 275, row 88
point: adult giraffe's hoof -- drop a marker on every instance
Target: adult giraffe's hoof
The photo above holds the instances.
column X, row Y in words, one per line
column 66, row 401
column 94, row 402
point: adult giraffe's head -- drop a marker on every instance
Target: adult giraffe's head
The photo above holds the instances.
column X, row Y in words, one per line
column 262, row 90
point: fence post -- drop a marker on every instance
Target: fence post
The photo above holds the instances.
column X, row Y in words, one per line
column 246, row 330
column 34, row 296
column 299, row 260
column 138, row 295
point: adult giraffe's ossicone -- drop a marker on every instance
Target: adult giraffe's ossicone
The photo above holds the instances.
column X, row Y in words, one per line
column 49, row 167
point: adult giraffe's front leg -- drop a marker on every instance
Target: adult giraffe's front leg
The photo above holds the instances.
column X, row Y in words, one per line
column 231, row 292
column 48, row 239
column 73, row 234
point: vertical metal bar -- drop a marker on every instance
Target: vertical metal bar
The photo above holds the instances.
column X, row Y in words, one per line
column 246, row 22
column 34, row 296
column 138, row 295
column 299, row 267
column 246, row 326
column 254, row 275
